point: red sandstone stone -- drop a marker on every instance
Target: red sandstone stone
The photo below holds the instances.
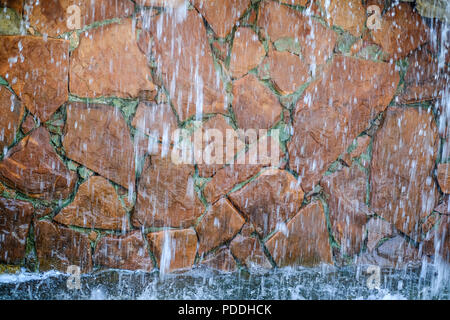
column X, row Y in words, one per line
column 350, row 15
column 11, row 114
column 221, row 260
column 249, row 252
column 443, row 176
column 157, row 121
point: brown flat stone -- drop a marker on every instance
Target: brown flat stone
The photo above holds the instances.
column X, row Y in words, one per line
column 404, row 154
column 350, row 15
column 34, row 168
column 28, row 124
column 287, row 71
column 107, row 65
column 96, row 206
column 188, row 72
column 334, row 110
column 15, row 219
column 443, row 207
column 161, row 3
column 220, row 224
column 247, row 53
column 14, row 4
column 443, row 177
column 279, row 21
column 346, row 190
column 58, row 248
column 97, row 136
column 38, row 72
column 11, row 114
column 127, row 252
column 377, row 230
column 51, row 16
column 157, row 121
column 272, row 198
column 438, row 242
column 222, row 17
column 402, row 31
column 249, row 252
column 166, row 195
column 254, row 105
column 221, row 260
column 174, row 250
column 306, row 241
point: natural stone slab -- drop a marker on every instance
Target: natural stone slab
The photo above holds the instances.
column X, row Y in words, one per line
column 334, row 110
column 58, row 248
column 123, row 252
column 222, row 260
column 346, row 190
column 157, row 121
column 402, row 30
column 377, row 230
column 15, row 219
column 249, row 252
column 255, row 106
column 96, row 206
column 443, row 177
column 51, row 16
column 174, row 250
column 305, row 242
column 188, row 72
column 279, row 21
column 350, row 15
column 166, row 195
column 247, row 52
column 161, row 3
column 97, row 136
column 34, row 168
column 272, row 198
column 220, row 224
column 404, row 154
column 37, row 71
column 11, row 114
column 222, row 17
column 107, row 65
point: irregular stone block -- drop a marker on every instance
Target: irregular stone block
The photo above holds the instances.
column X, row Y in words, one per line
column 34, row 168
column 15, row 219
column 249, row 252
column 11, row 114
column 53, row 17
column 305, row 242
column 174, row 250
column 188, row 72
column 58, row 248
column 350, row 15
column 247, row 52
column 334, row 110
column 220, row 224
column 346, row 190
column 272, row 198
column 107, row 65
column 123, row 252
column 404, row 154
column 96, row 206
column 221, row 260
column 38, row 72
column 222, row 17
column 443, row 176
column 97, row 136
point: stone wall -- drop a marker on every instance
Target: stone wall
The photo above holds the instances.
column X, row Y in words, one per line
column 87, row 116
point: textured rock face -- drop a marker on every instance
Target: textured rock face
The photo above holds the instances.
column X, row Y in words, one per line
column 347, row 194
column 439, row 239
column 247, row 52
column 222, row 260
column 350, row 15
column 249, row 252
column 37, row 71
column 174, row 250
column 107, row 65
column 11, row 114
column 59, row 247
column 220, row 224
column 98, row 137
column 305, row 242
column 96, row 205
column 443, row 176
column 188, row 72
column 316, row 41
column 166, row 195
column 256, row 107
column 402, row 31
column 34, row 168
column 334, row 110
column 125, row 252
column 15, row 219
column 50, row 17
column 404, row 154
column 282, row 199
column 221, row 17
